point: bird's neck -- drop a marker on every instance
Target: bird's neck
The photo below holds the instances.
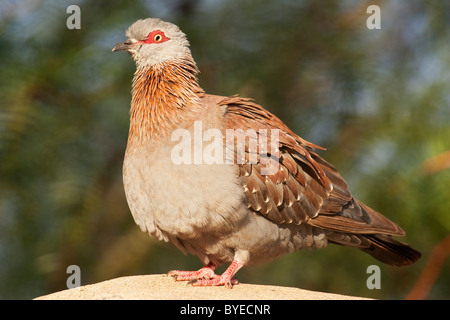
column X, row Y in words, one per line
column 162, row 95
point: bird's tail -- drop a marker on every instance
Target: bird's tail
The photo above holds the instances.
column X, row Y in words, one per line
column 390, row 251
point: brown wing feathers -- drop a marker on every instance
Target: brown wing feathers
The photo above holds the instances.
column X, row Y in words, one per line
column 307, row 189
column 304, row 182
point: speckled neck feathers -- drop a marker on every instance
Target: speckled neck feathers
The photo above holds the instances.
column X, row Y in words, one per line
column 160, row 96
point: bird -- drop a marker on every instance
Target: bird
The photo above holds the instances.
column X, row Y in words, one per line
column 272, row 193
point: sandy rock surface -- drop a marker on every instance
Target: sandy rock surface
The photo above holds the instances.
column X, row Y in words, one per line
column 161, row 287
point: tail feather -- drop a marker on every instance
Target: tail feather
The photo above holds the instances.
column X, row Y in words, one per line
column 390, row 251
column 358, row 225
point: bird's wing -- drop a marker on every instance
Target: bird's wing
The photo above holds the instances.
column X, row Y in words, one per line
column 304, row 188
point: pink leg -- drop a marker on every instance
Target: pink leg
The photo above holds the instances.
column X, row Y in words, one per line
column 207, row 272
column 224, row 280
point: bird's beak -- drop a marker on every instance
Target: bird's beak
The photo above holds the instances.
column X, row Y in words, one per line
column 124, row 45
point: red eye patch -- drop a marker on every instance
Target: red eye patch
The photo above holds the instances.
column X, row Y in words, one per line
column 156, row 36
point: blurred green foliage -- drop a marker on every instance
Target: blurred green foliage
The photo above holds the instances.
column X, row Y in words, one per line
column 378, row 100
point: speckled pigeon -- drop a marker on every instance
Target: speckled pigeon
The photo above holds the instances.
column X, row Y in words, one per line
column 224, row 179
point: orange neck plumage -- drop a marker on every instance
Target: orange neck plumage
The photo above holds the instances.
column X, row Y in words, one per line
column 160, row 93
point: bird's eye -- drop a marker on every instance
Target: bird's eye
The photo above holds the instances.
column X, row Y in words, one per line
column 156, row 36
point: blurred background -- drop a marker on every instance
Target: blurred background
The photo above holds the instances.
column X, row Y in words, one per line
column 377, row 100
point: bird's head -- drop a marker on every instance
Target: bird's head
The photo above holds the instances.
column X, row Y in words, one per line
column 153, row 41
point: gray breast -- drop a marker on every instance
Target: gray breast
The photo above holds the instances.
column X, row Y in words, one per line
column 180, row 199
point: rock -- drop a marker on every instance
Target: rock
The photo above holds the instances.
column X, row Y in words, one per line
column 161, row 287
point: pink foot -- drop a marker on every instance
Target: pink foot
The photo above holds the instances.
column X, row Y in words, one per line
column 227, row 282
column 207, row 272
column 224, row 280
